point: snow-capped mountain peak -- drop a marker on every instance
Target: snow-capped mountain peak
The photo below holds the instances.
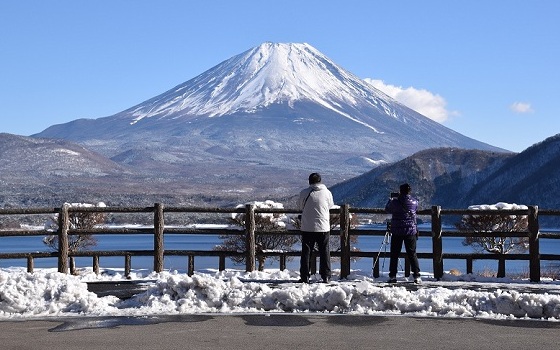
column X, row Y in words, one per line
column 268, row 74
column 276, row 111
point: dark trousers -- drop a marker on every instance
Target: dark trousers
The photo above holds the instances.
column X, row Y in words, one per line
column 410, row 247
column 308, row 240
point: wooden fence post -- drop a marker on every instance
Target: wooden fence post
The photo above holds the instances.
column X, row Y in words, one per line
column 190, row 266
column 158, row 237
column 96, row 264
column 250, row 237
column 127, row 265
column 63, row 226
column 30, row 264
column 344, row 241
column 437, row 246
column 222, row 262
column 282, row 262
column 534, row 254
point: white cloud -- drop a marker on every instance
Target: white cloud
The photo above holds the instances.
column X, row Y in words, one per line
column 521, row 107
column 422, row 101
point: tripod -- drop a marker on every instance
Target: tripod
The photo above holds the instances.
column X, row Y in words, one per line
column 386, row 241
column 384, row 244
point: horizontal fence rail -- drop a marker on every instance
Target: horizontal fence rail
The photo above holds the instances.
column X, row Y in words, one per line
column 249, row 232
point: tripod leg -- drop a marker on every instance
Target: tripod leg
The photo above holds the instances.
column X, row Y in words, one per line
column 384, row 243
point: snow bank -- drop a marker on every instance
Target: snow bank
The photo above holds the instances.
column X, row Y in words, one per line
column 48, row 293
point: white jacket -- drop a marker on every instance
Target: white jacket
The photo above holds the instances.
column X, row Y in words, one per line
column 315, row 203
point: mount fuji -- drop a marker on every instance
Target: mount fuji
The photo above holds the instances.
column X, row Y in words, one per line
column 263, row 119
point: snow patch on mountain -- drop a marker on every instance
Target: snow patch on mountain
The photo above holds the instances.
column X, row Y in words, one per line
column 365, row 161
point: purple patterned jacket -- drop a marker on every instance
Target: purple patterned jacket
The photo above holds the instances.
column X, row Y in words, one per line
column 403, row 210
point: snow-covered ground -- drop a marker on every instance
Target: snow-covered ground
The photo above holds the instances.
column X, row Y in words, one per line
column 46, row 293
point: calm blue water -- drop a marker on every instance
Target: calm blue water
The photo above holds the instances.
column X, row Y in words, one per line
column 207, row 242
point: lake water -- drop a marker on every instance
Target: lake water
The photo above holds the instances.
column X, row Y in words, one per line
column 207, row 242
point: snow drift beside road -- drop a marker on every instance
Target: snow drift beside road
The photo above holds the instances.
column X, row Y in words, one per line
column 46, row 293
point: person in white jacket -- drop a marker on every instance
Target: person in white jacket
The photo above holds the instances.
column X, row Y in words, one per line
column 315, row 203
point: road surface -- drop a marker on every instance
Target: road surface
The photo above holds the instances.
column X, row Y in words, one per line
column 277, row 331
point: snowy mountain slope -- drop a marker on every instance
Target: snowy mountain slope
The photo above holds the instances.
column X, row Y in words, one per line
column 271, row 114
column 297, row 77
column 46, row 172
column 24, row 156
column 266, row 75
column 41, row 172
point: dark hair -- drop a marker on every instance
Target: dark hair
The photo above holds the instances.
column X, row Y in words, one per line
column 314, row 178
column 405, row 189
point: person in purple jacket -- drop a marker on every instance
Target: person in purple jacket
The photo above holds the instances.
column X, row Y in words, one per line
column 403, row 230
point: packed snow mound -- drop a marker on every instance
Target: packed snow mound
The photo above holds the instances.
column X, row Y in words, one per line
column 47, row 293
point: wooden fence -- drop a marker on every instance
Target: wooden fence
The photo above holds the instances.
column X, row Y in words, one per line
column 158, row 230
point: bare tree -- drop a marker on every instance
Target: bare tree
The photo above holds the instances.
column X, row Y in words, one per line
column 77, row 220
column 263, row 222
column 500, row 222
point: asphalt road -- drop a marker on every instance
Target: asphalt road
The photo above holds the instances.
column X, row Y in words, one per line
column 276, row 331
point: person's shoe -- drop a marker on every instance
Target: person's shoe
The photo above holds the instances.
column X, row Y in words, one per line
column 417, row 280
column 392, row 280
column 303, row 280
column 326, row 279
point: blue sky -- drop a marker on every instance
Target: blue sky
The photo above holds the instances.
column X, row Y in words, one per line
column 487, row 69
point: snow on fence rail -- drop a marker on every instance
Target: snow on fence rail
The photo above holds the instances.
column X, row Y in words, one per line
column 158, row 230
